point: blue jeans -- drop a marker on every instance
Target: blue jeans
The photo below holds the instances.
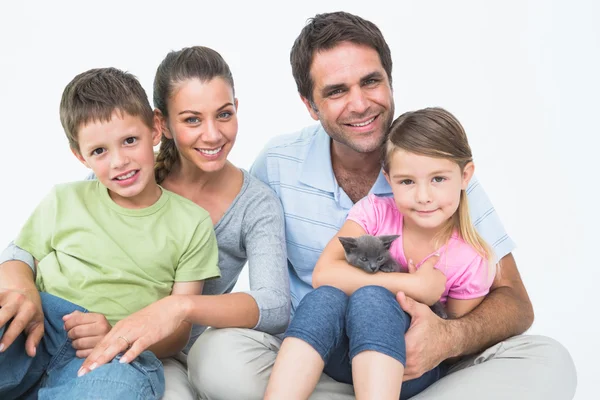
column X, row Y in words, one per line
column 52, row 373
column 339, row 327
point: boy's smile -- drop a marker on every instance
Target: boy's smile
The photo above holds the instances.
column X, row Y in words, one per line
column 120, row 152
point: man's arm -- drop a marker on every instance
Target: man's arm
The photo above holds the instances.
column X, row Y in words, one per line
column 505, row 312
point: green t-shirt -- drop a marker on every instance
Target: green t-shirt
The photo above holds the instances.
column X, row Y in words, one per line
column 113, row 260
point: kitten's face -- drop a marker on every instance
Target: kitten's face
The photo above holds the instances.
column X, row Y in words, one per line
column 368, row 252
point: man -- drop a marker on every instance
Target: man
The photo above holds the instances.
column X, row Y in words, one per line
column 343, row 70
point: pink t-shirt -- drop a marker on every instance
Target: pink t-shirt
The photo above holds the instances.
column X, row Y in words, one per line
column 468, row 275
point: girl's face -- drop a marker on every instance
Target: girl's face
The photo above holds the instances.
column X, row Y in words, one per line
column 202, row 122
column 426, row 189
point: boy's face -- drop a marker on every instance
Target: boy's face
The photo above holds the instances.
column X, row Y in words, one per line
column 120, row 152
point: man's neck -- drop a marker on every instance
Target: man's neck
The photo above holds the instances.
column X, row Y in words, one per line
column 349, row 160
column 355, row 173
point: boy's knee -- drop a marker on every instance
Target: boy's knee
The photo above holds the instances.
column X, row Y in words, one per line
column 143, row 378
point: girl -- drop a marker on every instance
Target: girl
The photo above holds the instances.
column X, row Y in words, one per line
column 195, row 100
column 352, row 332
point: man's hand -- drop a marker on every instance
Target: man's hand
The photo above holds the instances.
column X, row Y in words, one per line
column 428, row 341
column 86, row 330
column 25, row 310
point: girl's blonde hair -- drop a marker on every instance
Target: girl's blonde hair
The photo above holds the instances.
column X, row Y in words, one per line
column 434, row 132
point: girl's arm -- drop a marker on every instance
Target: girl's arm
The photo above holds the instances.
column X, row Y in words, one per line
column 426, row 285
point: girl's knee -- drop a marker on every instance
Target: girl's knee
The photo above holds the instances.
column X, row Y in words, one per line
column 375, row 306
column 373, row 296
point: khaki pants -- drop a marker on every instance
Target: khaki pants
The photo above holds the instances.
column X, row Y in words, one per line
column 236, row 364
column 177, row 384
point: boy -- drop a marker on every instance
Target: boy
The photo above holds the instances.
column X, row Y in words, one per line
column 112, row 246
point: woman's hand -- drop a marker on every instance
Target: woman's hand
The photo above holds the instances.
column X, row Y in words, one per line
column 85, row 330
column 137, row 332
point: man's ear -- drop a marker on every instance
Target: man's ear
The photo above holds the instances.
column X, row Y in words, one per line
column 162, row 124
column 467, row 174
column 314, row 113
column 78, row 155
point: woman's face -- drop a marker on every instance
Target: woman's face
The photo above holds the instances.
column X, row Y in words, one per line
column 202, row 122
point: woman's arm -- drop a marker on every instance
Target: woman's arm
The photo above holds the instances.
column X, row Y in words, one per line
column 426, row 285
column 176, row 341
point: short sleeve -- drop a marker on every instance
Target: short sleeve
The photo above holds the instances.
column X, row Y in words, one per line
column 201, row 258
column 259, row 167
column 474, row 282
column 364, row 213
column 37, row 233
column 486, row 220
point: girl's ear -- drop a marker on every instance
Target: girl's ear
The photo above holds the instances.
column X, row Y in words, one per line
column 162, row 120
column 387, row 177
column 467, row 174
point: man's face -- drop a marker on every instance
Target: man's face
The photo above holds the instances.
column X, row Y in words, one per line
column 352, row 96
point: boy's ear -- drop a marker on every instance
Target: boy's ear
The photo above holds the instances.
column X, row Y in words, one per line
column 467, row 174
column 314, row 113
column 79, row 157
column 156, row 130
column 162, row 124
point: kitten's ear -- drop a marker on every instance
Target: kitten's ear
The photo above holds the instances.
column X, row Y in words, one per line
column 349, row 243
column 387, row 240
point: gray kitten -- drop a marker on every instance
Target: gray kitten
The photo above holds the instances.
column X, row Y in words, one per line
column 372, row 253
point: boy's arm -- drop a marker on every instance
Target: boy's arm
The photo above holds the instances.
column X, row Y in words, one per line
column 21, row 302
column 175, row 342
column 427, row 284
column 14, row 253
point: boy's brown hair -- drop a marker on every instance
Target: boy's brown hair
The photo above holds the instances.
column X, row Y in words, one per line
column 94, row 95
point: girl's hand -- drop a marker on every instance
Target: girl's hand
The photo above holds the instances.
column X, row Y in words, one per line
column 137, row 332
column 85, row 330
column 431, row 280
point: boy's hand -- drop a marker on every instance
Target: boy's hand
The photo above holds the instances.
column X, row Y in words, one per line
column 25, row 310
column 86, row 330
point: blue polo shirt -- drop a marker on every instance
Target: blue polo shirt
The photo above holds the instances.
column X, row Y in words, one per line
column 298, row 168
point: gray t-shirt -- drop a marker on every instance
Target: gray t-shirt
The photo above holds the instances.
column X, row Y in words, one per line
column 251, row 230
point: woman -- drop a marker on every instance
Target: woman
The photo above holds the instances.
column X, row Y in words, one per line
column 195, row 101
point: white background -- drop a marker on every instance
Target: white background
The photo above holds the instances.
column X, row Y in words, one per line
column 522, row 76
